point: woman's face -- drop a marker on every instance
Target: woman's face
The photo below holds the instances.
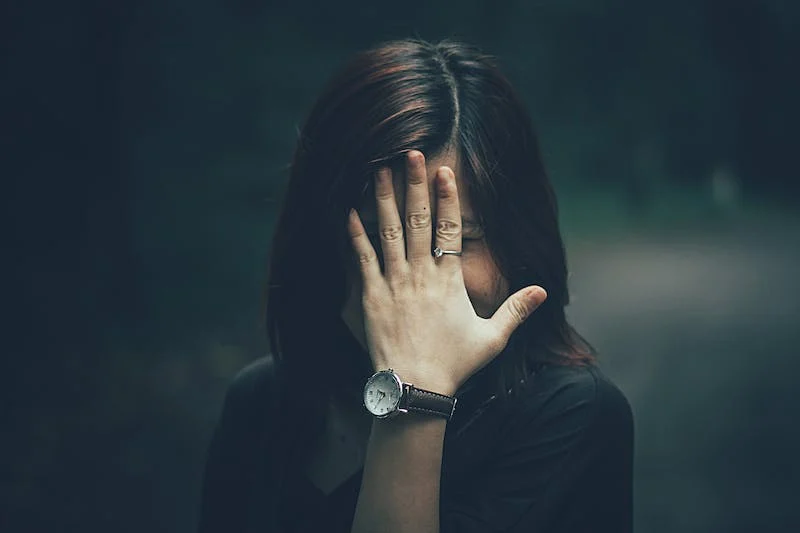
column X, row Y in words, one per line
column 486, row 287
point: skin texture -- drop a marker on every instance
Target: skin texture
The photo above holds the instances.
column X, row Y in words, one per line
column 420, row 318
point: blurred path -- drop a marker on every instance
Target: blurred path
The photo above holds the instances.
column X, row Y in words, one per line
column 701, row 332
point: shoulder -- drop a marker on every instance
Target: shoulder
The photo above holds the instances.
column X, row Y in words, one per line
column 253, row 386
column 255, row 376
column 237, row 463
column 581, row 397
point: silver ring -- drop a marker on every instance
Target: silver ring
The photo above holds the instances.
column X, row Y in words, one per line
column 438, row 252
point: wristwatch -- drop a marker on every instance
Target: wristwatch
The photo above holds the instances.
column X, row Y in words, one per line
column 385, row 396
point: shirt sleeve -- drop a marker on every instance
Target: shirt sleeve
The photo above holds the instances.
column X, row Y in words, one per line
column 236, row 444
column 563, row 463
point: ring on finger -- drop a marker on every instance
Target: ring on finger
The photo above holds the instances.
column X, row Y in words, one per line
column 438, row 252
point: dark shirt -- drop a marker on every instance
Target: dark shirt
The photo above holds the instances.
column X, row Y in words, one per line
column 557, row 457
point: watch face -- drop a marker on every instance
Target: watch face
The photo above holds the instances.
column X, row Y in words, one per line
column 382, row 393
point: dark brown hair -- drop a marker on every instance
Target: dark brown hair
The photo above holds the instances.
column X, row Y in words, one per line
column 398, row 96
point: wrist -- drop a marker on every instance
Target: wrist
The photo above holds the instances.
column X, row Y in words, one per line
column 388, row 394
column 426, row 380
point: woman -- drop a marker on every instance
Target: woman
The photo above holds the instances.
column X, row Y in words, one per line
column 418, row 244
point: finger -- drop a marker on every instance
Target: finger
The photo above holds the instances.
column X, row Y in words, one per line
column 390, row 226
column 516, row 309
column 365, row 253
column 418, row 209
column 448, row 216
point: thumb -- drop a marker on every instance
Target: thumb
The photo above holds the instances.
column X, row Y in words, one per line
column 516, row 309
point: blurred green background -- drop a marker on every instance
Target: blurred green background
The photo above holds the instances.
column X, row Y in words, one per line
column 145, row 153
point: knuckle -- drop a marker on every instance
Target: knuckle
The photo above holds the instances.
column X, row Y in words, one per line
column 365, row 258
column 391, row 232
column 447, row 229
column 519, row 310
column 399, row 285
column 418, row 220
column 417, row 178
column 448, row 189
column 370, row 299
column 384, row 194
column 354, row 231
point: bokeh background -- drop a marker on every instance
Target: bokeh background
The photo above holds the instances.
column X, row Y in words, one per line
column 145, row 147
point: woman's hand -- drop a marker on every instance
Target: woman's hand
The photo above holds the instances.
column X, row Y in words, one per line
column 418, row 318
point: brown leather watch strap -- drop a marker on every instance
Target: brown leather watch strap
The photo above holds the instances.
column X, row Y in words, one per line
column 432, row 403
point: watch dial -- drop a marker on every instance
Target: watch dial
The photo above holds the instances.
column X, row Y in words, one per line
column 381, row 395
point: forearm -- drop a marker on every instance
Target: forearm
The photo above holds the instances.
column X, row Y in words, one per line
column 402, row 469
